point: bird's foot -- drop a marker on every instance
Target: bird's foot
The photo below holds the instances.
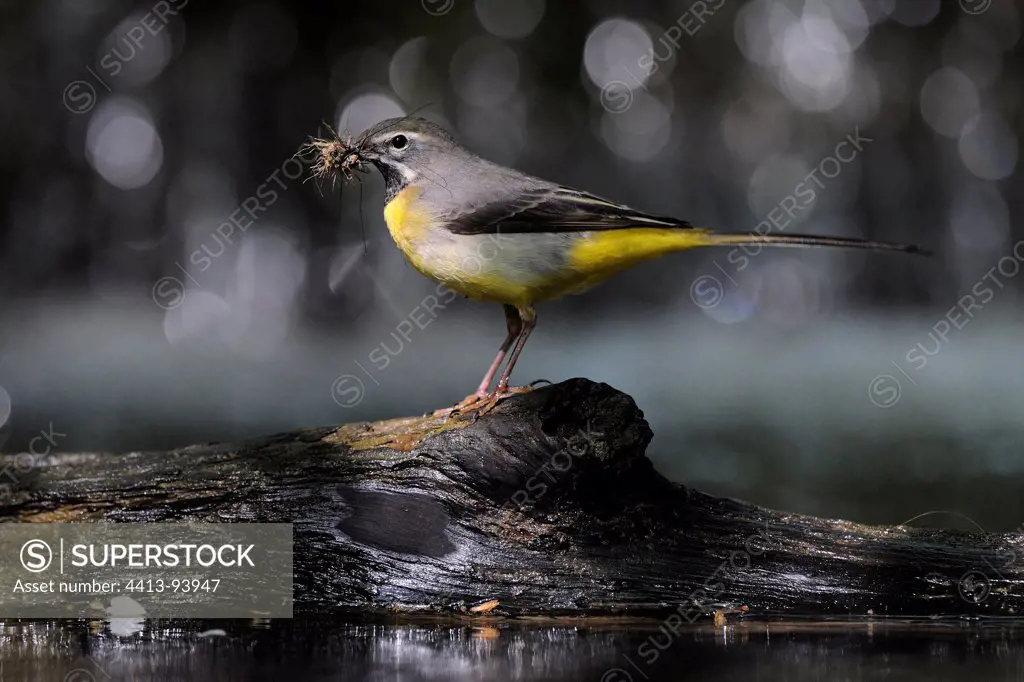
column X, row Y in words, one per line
column 481, row 403
column 501, row 394
column 464, row 405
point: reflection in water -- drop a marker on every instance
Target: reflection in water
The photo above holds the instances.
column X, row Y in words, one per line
column 497, row 650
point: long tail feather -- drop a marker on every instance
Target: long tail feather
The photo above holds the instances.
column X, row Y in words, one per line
column 812, row 240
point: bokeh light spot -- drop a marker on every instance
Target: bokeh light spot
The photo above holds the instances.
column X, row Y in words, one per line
column 122, row 144
column 366, row 109
column 948, row 101
column 485, row 72
column 613, row 51
column 988, row 147
column 507, row 19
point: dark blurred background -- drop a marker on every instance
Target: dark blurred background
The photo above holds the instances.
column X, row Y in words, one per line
column 168, row 275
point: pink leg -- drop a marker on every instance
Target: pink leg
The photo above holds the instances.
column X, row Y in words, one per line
column 515, row 328
column 529, row 317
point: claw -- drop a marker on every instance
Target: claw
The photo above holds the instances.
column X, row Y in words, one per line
column 480, row 403
column 496, row 397
column 462, row 406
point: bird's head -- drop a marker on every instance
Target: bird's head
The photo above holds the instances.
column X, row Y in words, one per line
column 403, row 149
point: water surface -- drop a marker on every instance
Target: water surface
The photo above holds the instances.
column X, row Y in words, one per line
column 505, row 651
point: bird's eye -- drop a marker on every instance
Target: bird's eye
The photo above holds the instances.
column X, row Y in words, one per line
column 399, row 141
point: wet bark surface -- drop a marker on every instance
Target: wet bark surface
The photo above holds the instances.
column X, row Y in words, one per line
column 547, row 505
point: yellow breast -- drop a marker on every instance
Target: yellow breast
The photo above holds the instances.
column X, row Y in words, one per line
column 406, row 222
column 470, row 265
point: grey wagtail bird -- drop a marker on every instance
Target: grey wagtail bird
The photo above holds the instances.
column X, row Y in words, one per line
column 444, row 204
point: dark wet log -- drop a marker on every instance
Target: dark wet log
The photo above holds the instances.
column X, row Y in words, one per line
column 548, row 505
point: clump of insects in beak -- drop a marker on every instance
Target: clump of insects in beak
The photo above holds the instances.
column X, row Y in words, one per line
column 336, row 156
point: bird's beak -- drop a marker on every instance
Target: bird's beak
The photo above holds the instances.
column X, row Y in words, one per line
column 353, row 159
column 364, row 151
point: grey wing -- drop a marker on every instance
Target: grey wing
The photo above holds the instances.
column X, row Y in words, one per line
column 554, row 210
